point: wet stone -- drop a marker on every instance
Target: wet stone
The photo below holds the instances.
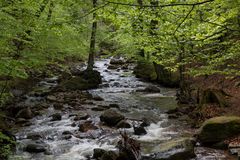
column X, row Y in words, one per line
column 51, row 98
column 111, row 117
column 21, row 121
column 56, row 117
column 139, row 130
column 58, row 106
column 35, row 147
column 73, row 124
column 97, row 98
column 123, row 124
column 67, row 137
column 145, row 122
column 25, row 113
column 109, row 155
column 66, row 132
column 86, row 126
column 98, row 152
column 81, row 116
column 98, row 108
column 113, row 105
column 176, row 149
column 34, row 136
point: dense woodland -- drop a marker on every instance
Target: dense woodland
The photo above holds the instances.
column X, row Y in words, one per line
column 177, row 43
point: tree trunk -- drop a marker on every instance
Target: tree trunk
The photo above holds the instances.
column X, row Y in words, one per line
column 140, row 2
column 93, row 39
column 50, row 10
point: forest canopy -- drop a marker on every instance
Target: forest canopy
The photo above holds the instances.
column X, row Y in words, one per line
column 202, row 34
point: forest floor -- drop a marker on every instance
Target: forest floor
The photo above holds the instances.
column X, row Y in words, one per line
column 231, row 89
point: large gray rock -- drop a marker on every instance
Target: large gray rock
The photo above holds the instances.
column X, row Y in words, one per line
column 178, row 149
column 111, row 117
column 36, row 147
column 218, row 129
column 86, row 80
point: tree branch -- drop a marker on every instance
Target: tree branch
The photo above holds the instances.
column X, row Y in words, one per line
column 94, row 10
column 184, row 19
column 160, row 6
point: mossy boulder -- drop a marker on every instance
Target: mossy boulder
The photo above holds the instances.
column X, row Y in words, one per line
column 155, row 72
column 86, row 80
column 218, row 129
column 145, row 70
column 166, row 77
column 176, row 149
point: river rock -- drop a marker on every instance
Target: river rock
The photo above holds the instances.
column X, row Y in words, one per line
column 21, row 121
column 116, row 84
column 97, row 98
column 145, row 122
column 117, row 61
column 56, row 117
column 25, row 113
column 86, row 126
column 34, row 136
column 218, row 129
column 234, row 147
column 113, row 105
column 34, row 147
column 98, row 152
column 109, row 155
column 52, row 98
column 145, row 70
column 112, row 67
column 66, row 133
column 99, row 108
column 177, row 149
column 86, row 80
column 111, row 117
column 81, row 116
column 139, row 130
column 58, row 106
column 152, row 89
column 123, row 124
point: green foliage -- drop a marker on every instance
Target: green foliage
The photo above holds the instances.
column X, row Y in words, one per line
column 205, row 35
column 32, row 36
column 6, row 144
column 204, row 38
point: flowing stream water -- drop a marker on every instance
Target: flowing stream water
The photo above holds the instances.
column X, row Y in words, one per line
column 119, row 87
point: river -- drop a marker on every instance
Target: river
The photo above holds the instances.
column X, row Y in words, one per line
column 119, row 87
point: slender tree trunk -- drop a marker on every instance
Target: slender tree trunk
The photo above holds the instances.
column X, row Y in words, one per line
column 140, row 2
column 93, row 39
column 51, row 6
